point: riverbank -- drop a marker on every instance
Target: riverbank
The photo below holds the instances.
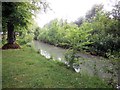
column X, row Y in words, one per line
column 92, row 65
column 68, row 46
column 25, row 68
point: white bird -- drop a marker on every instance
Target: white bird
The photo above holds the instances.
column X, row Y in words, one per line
column 59, row 58
column 41, row 52
column 66, row 62
column 47, row 55
column 44, row 53
column 76, row 68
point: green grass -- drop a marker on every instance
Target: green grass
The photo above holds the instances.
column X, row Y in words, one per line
column 25, row 68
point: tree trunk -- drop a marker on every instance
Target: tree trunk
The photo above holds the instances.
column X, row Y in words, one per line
column 11, row 34
column 10, row 37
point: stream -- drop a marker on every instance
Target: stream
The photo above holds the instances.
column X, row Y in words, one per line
column 91, row 65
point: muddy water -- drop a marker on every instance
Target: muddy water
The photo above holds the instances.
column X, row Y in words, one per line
column 92, row 65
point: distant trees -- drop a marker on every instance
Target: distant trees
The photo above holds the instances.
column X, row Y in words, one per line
column 36, row 33
column 93, row 12
column 67, row 35
column 96, row 33
column 116, row 11
column 79, row 21
column 90, row 14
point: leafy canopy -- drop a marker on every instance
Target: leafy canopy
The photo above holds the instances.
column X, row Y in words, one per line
column 21, row 13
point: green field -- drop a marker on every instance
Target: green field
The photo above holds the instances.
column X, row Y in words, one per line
column 25, row 68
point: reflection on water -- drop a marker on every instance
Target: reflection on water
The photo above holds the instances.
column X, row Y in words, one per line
column 50, row 51
column 44, row 53
column 91, row 64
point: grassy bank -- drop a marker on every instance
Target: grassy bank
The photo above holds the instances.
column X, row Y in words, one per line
column 25, row 68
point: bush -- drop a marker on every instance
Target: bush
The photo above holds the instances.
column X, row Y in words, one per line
column 25, row 39
column 36, row 33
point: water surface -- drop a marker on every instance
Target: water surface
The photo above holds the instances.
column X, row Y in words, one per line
column 92, row 65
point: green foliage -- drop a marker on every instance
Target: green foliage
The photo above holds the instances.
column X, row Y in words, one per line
column 73, row 58
column 21, row 13
column 4, row 38
column 70, row 57
column 105, row 34
column 25, row 40
column 93, row 11
column 36, row 33
column 97, row 33
column 65, row 34
column 20, row 16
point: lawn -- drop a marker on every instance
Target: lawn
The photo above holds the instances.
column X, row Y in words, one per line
column 25, row 68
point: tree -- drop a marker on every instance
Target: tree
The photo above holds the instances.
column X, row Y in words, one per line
column 79, row 21
column 116, row 11
column 18, row 15
column 92, row 13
